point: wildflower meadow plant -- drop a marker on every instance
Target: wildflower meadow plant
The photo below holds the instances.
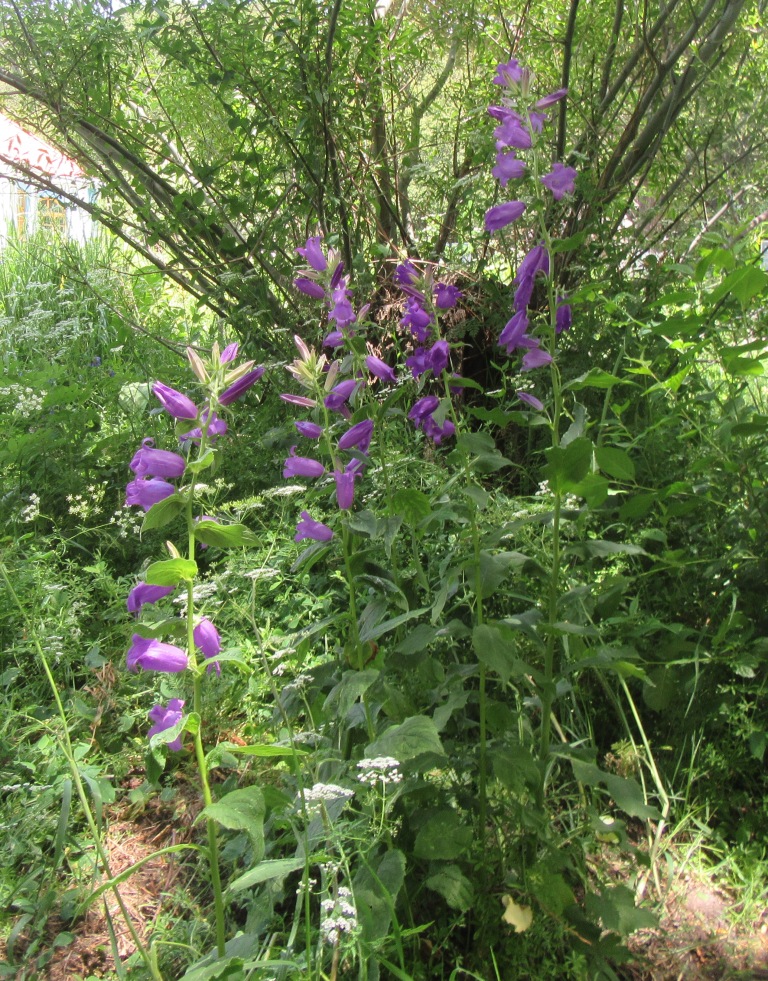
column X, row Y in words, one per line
column 165, row 486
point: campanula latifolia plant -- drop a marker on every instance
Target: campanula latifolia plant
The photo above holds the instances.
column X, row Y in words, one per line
column 166, row 485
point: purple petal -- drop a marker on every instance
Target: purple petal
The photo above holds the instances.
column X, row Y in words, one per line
column 502, row 215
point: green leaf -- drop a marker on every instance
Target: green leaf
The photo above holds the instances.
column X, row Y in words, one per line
column 455, row 888
column 275, row 869
column 627, row 793
column 163, row 512
column 615, row 908
column 263, row 750
column 593, row 488
column 595, row 378
column 566, row 466
column 515, row 769
column 364, row 523
column 743, row 367
column 443, row 836
column 602, row 549
column 496, row 646
column 224, row 536
column 241, row 810
column 170, row 572
column 615, row 462
column 637, row 506
column 351, row 688
column 414, row 737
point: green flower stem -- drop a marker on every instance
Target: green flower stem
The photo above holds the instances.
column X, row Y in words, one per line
column 197, row 702
column 66, row 745
column 482, row 781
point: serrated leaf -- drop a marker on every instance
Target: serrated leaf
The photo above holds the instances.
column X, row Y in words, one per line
column 627, row 793
column 615, row 462
column 595, row 378
column 275, row 869
column 566, row 466
column 414, row 737
column 455, row 888
column 442, row 837
column 241, row 810
column 224, row 536
column 163, row 512
column 170, row 572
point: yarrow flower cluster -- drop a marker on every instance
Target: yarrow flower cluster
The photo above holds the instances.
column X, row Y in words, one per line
column 324, row 793
column 340, row 916
column 29, row 401
column 154, row 469
column 379, row 770
column 520, row 122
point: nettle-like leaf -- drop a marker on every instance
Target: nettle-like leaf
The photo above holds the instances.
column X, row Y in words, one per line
column 241, row 810
column 170, row 572
column 414, row 737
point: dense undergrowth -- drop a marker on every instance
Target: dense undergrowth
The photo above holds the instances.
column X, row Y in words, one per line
column 424, row 638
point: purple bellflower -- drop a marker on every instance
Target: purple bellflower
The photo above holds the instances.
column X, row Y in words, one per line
column 530, row 400
column 216, row 427
column 146, row 492
column 207, row 639
column 314, row 254
column 508, row 73
column 560, row 181
column 535, row 261
column 178, row 405
column 380, row 369
column 142, row 593
column 423, row 408
column 508, row 167
column 229, row 353
column 152, row 655
column 309, row 287
column 512, row 133
column 418, row 362
column 435, row 431
column 301, row 466
column 536, row 357
column 563, row 316
column 241, row 386
column 439, row 355
column 357, row 436
column 446, row 296
column 149, row 462
column 336, row 399
column 345, row 488
column 551, row 99
column 309, row 528
column 512, row 336
column 310, row 430
column 417, row 318
column 502, row 215
column 166, row 718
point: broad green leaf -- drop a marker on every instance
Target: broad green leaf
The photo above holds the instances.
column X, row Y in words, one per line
column 264, row 750
column 743, row 367
column 351, row 688
column 496, row 646
column 615, row 462
column 163, row 512
column 224, row 536
column 637, row 506
column 627, row 793
column 566, row 466
column 170, row 572
column 241, row 810
column 593, row 488
column 602, row 549
column 414, row 737
column 455, row 888
column 364, row 523
column 372, row 632
column 375, row 890
column 443, row 836
column 615, row 908
column 595, row 378
column 515, row 768
column 275, row 869
column 494, row 566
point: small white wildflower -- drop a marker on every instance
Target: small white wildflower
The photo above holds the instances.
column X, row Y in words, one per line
column 340, row 918
column 385, row 769
column 322, row 792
